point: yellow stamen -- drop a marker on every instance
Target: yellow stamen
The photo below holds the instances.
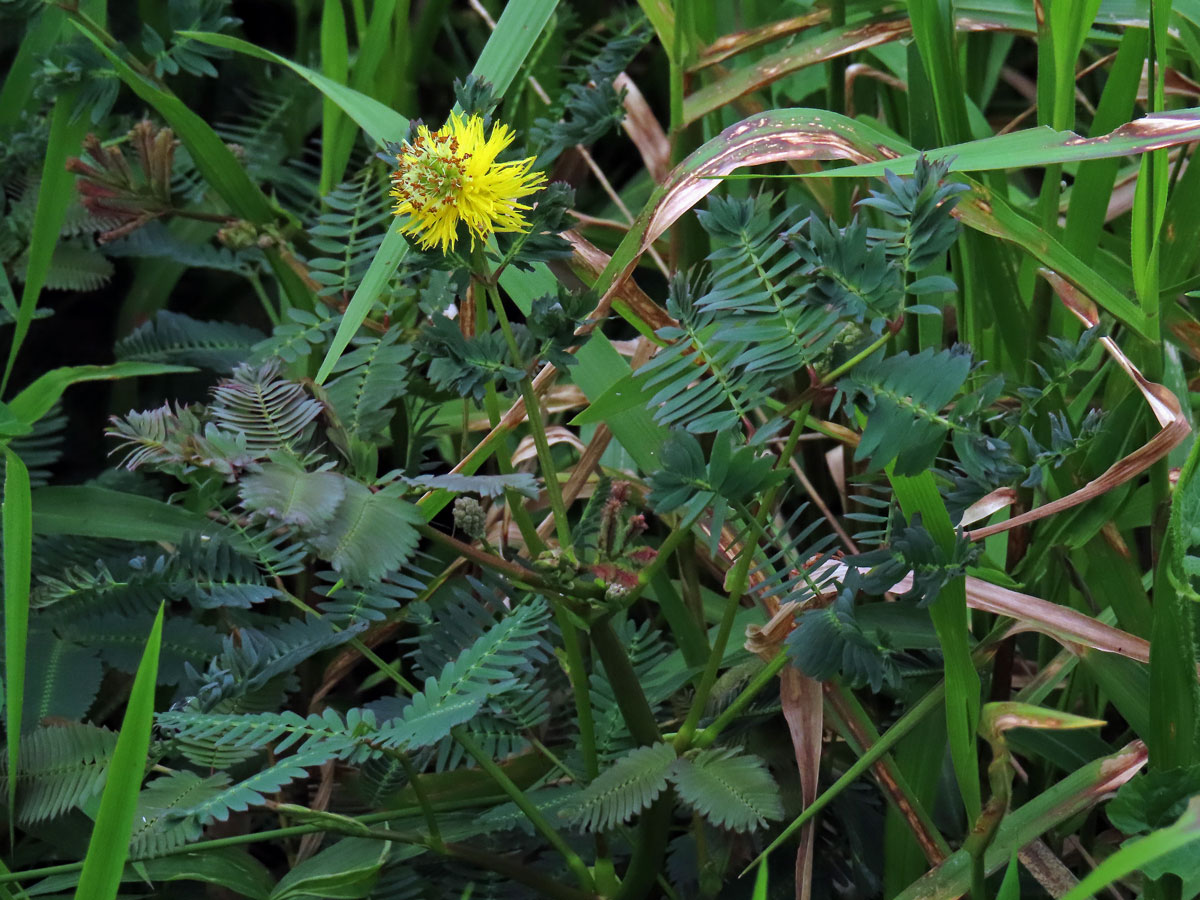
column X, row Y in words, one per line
column 451, row 176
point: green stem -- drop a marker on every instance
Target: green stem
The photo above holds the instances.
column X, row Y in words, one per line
column 519, row 513
column 414, row 781
column 549, row 471
column 578, row 676
column 648, row 848
column 737, row 586
column 539, row 821
column 764, row 677
column 238, row 840
column 554, row 759
column 856, row 359
column 628, row 689
column 533, row 411
column 737, row 582
column 260, row 292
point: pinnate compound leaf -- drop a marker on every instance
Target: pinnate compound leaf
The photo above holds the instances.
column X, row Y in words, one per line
column 157, row 827
column 624, row 789
column 732, row 475
column 524, row 483
column 292, row 496
column 61, row 768
column 904, row 396
column 251, row 792
column 64, row 679
column 370, row 534
column 483, row 670
column 270, row 412
column 729, row 789
column 175, row 338
column 829, row 641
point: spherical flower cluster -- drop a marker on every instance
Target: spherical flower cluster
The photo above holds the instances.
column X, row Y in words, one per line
column 469, row 518
column 451, row 175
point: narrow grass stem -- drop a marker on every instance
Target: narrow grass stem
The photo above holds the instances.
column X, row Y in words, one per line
column 370, row 655
column 537, row 426
column 256, row 837
column 764, row 677
column 414, row 781
column 261, row 293
column 856, row 359
column 683, row 739
column 549, row 471
column 903, row 727
column 516, row 508
column 523, row 803
column 737, row 586
column 578, row 676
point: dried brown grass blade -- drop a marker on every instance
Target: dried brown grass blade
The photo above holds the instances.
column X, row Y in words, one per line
column 740, row 41
column 1067, row 626
column 803, row 709
column 644, row 129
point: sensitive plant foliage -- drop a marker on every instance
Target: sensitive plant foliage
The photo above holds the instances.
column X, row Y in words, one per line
column 451, row 175
column 599, row 561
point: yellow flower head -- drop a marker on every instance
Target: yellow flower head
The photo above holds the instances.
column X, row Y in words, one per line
column 451, row 175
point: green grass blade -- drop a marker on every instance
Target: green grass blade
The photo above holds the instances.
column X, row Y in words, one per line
column 1176, row 708
column 933, row 32
column 35, row 44
column 1039, row 147
column 760, row 882
column 1078, row 791
column 109, row 847
column 54, row 196
column 17, row 518
column 1150, row 195
column 517, row 30
column 39, row 397
column 89, row 511
column 336, row 139
column 379, row 121
column 950, row 619
column 375, row 44
column 990, row 213
column 387, row 258
column 661, row 16
column 1010, row 887
column 1094, row 180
